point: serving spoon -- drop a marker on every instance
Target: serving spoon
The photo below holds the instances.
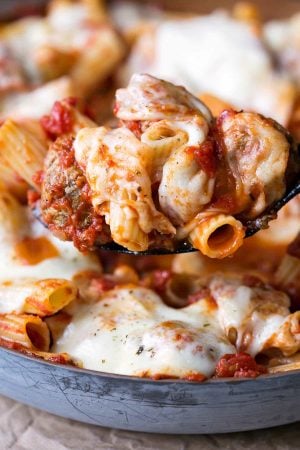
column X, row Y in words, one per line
column 252, row 227
column 184, row 246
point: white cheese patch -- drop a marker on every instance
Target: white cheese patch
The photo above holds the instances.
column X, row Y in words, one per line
column 224, row 57
column 263, row 329
column 254, row 313
column 12, row 300
column 131, row 331
column 68, row 262
column 36, row 103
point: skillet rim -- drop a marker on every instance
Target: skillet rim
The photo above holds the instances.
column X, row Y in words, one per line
column 119, row 377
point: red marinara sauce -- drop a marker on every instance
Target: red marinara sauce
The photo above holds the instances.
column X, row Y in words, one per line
column 102, row 284
column 60, row 119
column 133, row 125
column 32, row 197
column 160, row 279
column 238, row 365
column 205, row 156
column 38, row 177
column 200, row 294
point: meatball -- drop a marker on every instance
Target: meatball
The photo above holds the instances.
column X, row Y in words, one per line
column 65, row 199
column 257, row 161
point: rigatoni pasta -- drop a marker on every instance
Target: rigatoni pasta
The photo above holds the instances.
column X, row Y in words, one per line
column 87, row 73
column 41, row 297
column 288, row 271
column 129, row 235
column 161, row 139
column 11, row 180
column 168, row 169
column 218, row 236
column 26, row 330
column 24, row 147
column 12, row 221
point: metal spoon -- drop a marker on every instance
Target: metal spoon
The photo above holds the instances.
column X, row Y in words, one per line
column 252, row 227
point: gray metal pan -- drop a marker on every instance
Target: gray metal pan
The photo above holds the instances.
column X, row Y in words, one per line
column 138, row 404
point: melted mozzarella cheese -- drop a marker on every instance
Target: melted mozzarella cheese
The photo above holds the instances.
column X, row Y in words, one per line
column 63, row 29
column 149, row 98
column 254, row 313
column 66, row 264
column 283, row 37
column 130, row 331
column 36, row 103
column 221, row 56
column 263, row 330
column 13, row 303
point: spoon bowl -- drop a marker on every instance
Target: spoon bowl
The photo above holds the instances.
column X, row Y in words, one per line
column 184, row 246
column 252, row 227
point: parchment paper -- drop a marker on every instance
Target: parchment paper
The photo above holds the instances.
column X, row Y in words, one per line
column 25, row 428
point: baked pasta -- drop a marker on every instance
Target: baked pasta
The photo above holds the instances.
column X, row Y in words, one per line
column 169, row 172
column 58, row 304
column 168, row 167
column 132, row 331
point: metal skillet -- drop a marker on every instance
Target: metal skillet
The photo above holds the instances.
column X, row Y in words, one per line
column 154, row 406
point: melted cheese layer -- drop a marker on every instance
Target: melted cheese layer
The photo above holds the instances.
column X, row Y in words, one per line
column 131, row 332
column 222, row 56
column 68, row 262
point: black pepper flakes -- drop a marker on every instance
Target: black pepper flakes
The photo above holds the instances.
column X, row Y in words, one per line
column 140, row 350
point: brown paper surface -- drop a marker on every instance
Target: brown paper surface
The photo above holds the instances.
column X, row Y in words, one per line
column 25, row 428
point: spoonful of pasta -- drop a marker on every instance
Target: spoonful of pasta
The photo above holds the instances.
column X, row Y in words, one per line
column 169, row 178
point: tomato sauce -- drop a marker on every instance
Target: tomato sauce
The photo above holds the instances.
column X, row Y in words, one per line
column 38, row 177
column 205, row 156
column 201, row 294
column 60, row 119
column 160, row 279
column 238, row 365
column 134, row 126
column 31, row 251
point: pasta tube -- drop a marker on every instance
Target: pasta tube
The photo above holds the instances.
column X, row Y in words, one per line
column 11, row 218
column 284, row 363
column 215, row 104
column 26, row 330
column 287, row 338
column 41, row 297
column 218, row 236
column 87, row 73
column 53, row 62
column 57, row 324
column 288, row 271
column 15, row 184
column 125, row 229
column 248, row 13
column 162, row 138
column 23, row 148
column 285, row 367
